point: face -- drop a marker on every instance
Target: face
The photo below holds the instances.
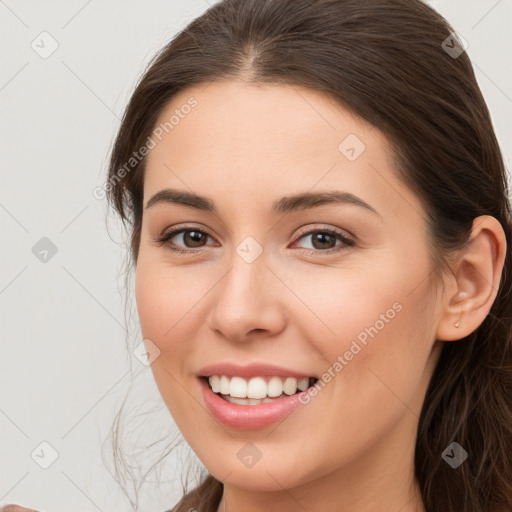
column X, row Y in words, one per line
column 339, row 290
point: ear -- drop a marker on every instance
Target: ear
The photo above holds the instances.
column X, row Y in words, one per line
column 475, row 281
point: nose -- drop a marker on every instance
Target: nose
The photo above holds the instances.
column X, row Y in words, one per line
column 248, row 302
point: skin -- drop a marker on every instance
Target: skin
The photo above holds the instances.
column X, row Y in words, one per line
column 352, row 446
column 244, row 146
column 16, row 508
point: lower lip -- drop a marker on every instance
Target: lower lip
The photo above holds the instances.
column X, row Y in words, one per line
column 249, row 417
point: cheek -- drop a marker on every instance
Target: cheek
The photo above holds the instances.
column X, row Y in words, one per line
column 165, row 318
column 364, row 326
column 369, row 287
column 165, row 298
column 376, row 317
column 336, row 305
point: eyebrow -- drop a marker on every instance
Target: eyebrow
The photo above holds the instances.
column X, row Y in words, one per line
column 286, row 204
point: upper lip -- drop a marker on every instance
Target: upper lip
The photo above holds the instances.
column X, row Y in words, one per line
column 249, row 370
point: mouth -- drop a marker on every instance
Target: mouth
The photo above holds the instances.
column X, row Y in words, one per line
column 256, row 390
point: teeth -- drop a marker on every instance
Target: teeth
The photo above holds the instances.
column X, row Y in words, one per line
column 257, row 388
column 248, row 401
column 223, row 385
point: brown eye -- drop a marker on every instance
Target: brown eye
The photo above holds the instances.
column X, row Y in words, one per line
column 325, row 240
column 186, row 239
column 322, row 240
column 194, row 238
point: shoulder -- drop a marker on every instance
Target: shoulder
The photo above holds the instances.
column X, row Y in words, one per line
column 16, row 508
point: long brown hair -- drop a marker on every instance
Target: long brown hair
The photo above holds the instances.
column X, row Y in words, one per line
column 388, row 62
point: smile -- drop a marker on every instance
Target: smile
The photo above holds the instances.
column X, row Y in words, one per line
column 252, row 413
column 257, row 390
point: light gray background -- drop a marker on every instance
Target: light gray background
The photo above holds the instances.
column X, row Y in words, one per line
column 64, row 366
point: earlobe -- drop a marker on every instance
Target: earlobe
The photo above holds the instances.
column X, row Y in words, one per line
column 477, row 276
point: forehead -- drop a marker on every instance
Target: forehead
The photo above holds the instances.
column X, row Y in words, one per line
column 234, row 116
column 243, row 140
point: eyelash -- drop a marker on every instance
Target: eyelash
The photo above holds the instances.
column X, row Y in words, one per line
column 165, row 237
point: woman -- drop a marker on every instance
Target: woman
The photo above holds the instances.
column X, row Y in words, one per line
column 321, row 238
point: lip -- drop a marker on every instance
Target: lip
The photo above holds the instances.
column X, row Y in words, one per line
column 251, row 370
column 249, row 417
